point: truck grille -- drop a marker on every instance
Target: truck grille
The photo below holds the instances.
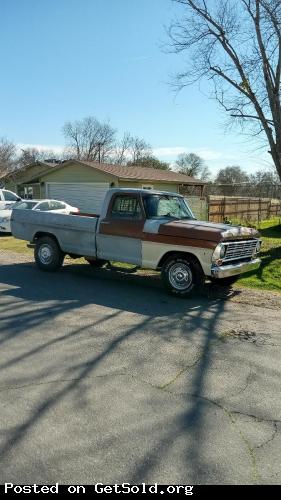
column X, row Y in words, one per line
column 240, row 250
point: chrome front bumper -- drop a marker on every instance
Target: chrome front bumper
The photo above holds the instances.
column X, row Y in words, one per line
column 234, row 269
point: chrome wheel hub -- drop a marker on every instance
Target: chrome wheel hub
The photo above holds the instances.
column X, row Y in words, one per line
column 180, row 276
column 45, row 254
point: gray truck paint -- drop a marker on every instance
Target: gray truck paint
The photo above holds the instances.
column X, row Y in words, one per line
column 75, row 234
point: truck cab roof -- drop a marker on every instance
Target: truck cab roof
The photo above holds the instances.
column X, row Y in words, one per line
column 143, row 191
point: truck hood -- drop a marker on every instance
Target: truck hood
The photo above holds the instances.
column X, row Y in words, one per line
column 210, row 231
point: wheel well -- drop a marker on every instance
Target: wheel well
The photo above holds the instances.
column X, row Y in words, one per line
column 41, row 234
column 178, row 254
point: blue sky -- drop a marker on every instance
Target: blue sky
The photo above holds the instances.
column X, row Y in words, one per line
column 67, row 59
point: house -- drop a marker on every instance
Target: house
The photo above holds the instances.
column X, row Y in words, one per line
column 84, row 183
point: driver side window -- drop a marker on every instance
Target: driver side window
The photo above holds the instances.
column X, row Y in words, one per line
column 126, row 206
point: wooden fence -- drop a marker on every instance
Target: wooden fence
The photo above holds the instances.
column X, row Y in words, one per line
column 226, row 207
column 199, row 206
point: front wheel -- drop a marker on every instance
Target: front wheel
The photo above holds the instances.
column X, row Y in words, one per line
column 48, row 255
column 182, row 276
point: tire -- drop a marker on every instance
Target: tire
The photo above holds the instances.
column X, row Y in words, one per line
column 182, row 276
column 96, row 263
column 48, row 255
column 226, row 281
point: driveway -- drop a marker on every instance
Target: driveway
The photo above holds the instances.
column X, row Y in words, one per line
column 105, row 378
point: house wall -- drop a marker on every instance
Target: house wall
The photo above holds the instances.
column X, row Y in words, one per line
column 161, row 186
column 76, row 173
column 26, row 176
column 11, row 186
column 79, row 173
column 19, row 189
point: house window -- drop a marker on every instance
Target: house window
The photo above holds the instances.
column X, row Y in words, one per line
column 147, row 186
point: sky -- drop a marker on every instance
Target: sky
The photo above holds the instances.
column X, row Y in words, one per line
column 66, row 59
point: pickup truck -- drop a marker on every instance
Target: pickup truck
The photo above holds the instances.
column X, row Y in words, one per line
column 150, row 229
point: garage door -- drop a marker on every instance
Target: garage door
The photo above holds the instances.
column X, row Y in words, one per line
column 88, row 197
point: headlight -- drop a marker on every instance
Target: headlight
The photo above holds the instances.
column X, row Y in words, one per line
column 219, row 252
column 5, row 219
column 222, row 251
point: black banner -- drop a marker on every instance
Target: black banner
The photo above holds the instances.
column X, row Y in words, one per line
column 126, row 488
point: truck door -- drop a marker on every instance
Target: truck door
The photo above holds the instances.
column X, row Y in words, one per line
column 120, row 233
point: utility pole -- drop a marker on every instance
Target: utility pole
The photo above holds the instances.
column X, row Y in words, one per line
column 99, row 144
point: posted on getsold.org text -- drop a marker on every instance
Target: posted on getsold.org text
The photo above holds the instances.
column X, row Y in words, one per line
column 98, row 488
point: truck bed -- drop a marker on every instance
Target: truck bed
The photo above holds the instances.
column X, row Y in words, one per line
column 75, row 235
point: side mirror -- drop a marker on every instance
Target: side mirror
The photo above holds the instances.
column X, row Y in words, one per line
column 18, row 198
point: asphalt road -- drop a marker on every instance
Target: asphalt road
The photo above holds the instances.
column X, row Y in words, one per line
column 105, row 378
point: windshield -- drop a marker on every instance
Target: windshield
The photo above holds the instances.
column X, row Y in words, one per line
column 25, row 205
column 158, row 206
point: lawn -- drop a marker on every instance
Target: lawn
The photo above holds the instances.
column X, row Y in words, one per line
column 267, row 278
column 13, row 245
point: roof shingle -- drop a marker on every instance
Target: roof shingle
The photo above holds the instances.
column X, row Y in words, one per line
column 141, row 173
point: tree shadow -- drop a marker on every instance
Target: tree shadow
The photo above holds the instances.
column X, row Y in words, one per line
column 271, row 232
column 31, row 298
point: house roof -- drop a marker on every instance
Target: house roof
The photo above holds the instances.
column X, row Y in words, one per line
column 138, row 173
column 23, row 169
column 129, row 173
column 3, row 174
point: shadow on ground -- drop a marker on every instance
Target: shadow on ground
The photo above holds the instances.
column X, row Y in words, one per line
column 30, row 298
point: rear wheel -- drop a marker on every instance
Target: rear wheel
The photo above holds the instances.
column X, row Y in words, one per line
column 182, row 276
column 48, row 255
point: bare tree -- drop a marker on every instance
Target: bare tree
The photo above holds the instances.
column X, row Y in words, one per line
column 131, row 149
column 237, row 45
column 8, row 152
column 205, row 174
column 89, row 139
column 123, row 149
column 31, row 155
column 265, row 184
column 139, row 149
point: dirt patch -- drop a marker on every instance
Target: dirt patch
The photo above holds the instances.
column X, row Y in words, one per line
column 249, row 296
column 260, row 298
column 7, row 257
column 244, row 335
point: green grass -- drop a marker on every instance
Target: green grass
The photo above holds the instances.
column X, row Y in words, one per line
column 268, row 276
column 11, row 244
